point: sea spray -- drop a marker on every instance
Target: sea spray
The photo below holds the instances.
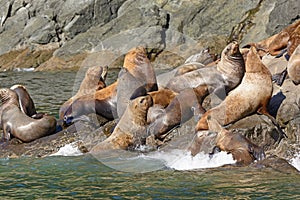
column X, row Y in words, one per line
column 182, row 160
column 296, row 162
column 68, row 150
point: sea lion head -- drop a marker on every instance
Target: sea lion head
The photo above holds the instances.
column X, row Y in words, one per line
column 94, row 77
column 232, row 51
column 139, row 109
column 8, row 97
column 135, row 57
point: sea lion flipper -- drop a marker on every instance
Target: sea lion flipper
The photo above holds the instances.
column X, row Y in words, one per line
column 279, row 77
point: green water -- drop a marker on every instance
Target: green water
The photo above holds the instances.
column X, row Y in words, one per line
column 84, row 177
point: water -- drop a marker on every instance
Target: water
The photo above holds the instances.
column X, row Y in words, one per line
column 176, row 176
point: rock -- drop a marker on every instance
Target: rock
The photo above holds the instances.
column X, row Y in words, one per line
column 181, row 27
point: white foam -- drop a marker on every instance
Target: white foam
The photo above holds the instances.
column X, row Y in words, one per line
column 68, row 150
column 296, row 162
column 24, row 69
column 182, row 160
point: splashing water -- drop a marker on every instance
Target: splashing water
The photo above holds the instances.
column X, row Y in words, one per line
column 182, row 159
column 68, row 150
column 296, row 162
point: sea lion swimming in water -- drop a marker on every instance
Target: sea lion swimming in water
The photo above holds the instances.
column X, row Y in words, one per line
column 16, row 123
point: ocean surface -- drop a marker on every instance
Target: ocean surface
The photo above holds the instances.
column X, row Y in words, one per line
column 159, row 175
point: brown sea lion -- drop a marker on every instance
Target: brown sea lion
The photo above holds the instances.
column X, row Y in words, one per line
column 241, row 148
column 93, row 81
column 294, row 41
column 162, row 96
column 18, row 124
column 252, row 95
column 130, row 131
column 281, row 40
column 293, row 66
column 194, row 86
column 135, row 79
column 227, row 74
column 102, row 102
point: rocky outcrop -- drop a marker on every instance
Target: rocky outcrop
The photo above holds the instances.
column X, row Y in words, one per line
column 82, row 31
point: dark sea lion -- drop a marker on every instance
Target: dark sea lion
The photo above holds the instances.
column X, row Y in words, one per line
column 242, row 149
column 293, row 67
column 93, row 81
column 130, row 131
column 252, row 95
column 135, row 79
column 102, row 102
column 185, row 105
column 25, row 101
column 18, row 124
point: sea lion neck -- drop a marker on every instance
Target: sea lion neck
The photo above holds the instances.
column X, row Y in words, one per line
column 8, row 97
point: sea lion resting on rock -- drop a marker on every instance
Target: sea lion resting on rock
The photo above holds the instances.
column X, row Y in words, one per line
column 130, row 131
column 293, row 66
column 18, row 124
column 241, row 148
column 25, row 101
column 194, row 62
column 102, row 102
column 94, row 80
column 135, row 79
column 252, row 95
column 220, row 80
column 228, row 73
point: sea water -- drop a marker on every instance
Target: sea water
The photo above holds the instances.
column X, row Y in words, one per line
column 172, row 174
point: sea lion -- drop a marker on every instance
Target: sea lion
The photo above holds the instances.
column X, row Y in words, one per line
column 227, row 74
column 185, row 105
column 130, row 131
column 293, row 66
column 203, row 57
column 242, row 149
column 16, row 123
column 93, row 81
column 162, row 96
column 135, row 79
column 252, row 95
column 281, row 40
column 102, row 102
column 194, row 86
column 25, row 101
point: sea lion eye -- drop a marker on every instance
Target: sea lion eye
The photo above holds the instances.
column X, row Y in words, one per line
column 142, row 100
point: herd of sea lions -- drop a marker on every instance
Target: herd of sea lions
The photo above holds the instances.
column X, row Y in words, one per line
column 148, row 107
